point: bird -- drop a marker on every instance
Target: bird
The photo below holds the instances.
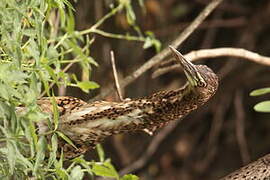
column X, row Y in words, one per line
column 87, row 124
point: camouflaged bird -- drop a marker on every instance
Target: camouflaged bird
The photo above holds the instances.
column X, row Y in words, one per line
column 87, row 124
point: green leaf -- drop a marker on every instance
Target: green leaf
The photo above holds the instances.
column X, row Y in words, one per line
column 45, row 82
column 77, row 51
column 41, row 148
column 70, row 22
column 62, row 174
column 68, row 4
column 92, row 61
column 55, row 113
column 100, row 152
column 141, row 3
column 60, row 171
column 53, row 152
column 30, row 133
column 80, row 160
column 11, row 156
column 148, row 43
column 157, row 45
column 87, row 85
column 51, row 72
column 64, row 137
column 259, row 92
column 52, row 53
column 262, row 106
column 4, row 93
column 24, row 161
column 35, row 85
column 33, row 49
column 106, row 170
column 151, row 41
column 76, row 173
column 129, row 177
column 29, row 32
column 131, row 17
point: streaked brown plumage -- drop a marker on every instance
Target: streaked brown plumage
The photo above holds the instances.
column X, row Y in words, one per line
column 88, row 124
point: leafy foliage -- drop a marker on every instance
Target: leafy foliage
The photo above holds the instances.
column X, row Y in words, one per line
column 38, row 44
column 263, row 106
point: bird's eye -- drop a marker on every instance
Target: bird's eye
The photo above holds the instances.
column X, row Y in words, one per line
column 201, row 84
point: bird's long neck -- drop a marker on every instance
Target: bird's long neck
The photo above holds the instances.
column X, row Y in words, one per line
column 172, row 105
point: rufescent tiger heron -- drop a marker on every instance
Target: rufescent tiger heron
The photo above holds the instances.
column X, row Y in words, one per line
column 87, row 124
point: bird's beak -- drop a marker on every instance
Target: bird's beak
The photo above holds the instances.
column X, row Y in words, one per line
column 190, row 69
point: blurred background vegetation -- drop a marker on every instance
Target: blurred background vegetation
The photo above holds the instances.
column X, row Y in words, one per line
column 61, row 47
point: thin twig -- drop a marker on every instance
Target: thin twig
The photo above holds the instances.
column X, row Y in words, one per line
column 240, row 127
column 53, row 83
column 118, row 36
column 165, row 52
column 210, row 24
column 151, row 149
column 102, row 20
column 211, row 33
column 217, row 52
column 216, row 128
column 116, row 77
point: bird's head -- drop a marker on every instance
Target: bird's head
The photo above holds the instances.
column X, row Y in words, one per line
column 199, row 77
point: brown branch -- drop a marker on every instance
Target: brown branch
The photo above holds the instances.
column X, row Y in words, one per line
column 211, row 33
column 165, row 52
column 219, row 110
column 218, row 52
column 222, row 104
column 116, row 77
column 240, row 127
column 210, row 24
column 228, row 6
column 151, row 149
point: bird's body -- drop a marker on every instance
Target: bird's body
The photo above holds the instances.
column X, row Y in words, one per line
column 87, row 124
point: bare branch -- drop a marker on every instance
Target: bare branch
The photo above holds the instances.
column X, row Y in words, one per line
column 240, row 127
column 165, row 52
column 116, row 77
column 207, row 24
column 217, row 52
column 219, row 110
column 151, row 149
